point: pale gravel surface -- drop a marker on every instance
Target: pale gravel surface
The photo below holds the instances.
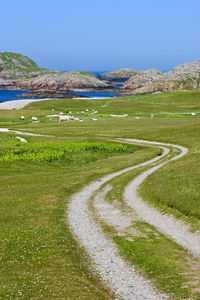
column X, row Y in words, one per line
column 109, row 213
column 120, row 277
column 168, row 225
column 20, row 132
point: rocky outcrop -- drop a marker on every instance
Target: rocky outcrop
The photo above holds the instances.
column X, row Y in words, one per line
column 20, row 72
column 183, row 77
column 71, row 81
column 50, row 94
column 118, row 76
column 142, row 79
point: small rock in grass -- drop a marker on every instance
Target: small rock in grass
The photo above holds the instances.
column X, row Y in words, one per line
column 21, row 139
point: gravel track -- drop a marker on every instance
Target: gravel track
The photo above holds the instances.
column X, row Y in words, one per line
column 168, row 225
column 109, row 213
column 19, row 132
column 119, row 276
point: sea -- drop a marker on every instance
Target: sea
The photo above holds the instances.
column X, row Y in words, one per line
column 9, row 95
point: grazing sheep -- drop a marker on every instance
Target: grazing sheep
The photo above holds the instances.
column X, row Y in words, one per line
column 61, row 113
column 34, row 118
column 137, row 118
column 152, row 116
column 82, row 112
column 193, row 114
column 70, row 112
column 22, row 118
column 65, row 118
column 86, row 110
column 96, row 112
column 95, row 119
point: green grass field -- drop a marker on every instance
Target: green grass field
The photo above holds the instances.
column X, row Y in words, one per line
column 39, row 258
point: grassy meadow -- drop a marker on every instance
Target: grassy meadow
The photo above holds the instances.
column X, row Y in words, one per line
column 39, row 257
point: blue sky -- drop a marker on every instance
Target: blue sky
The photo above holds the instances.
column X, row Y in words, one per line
column 102, row 34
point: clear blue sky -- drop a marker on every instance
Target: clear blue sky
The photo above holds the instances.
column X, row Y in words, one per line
column 102, row 34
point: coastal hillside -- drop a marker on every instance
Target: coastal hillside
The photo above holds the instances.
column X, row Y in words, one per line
column 20, row 72
column 15, row 66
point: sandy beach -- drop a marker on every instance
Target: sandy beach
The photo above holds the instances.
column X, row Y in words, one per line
column 18, row 104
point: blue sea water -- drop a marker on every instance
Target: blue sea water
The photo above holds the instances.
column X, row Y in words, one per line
column 8, row 95
column 96, row 94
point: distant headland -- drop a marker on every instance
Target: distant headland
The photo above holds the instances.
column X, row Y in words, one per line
column 18, row 72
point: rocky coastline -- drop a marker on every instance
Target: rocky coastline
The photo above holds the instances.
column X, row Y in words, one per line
column 50, row 94
column 18, row 72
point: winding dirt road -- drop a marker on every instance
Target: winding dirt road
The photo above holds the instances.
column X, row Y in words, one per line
column 120, row 277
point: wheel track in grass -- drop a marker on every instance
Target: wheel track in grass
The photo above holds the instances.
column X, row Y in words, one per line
column 118, row 274
column 167, row 224
column 122, row 278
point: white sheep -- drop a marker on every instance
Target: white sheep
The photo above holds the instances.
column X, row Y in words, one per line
column 96, row 112
column 22, row 118
column 137, row 118
column 65, row 118
column 86, row 110
column 34, row 119
column 61, row 113
column 193, row 114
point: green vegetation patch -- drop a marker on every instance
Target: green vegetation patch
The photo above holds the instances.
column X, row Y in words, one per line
column 48, row 152
column 13, row 59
